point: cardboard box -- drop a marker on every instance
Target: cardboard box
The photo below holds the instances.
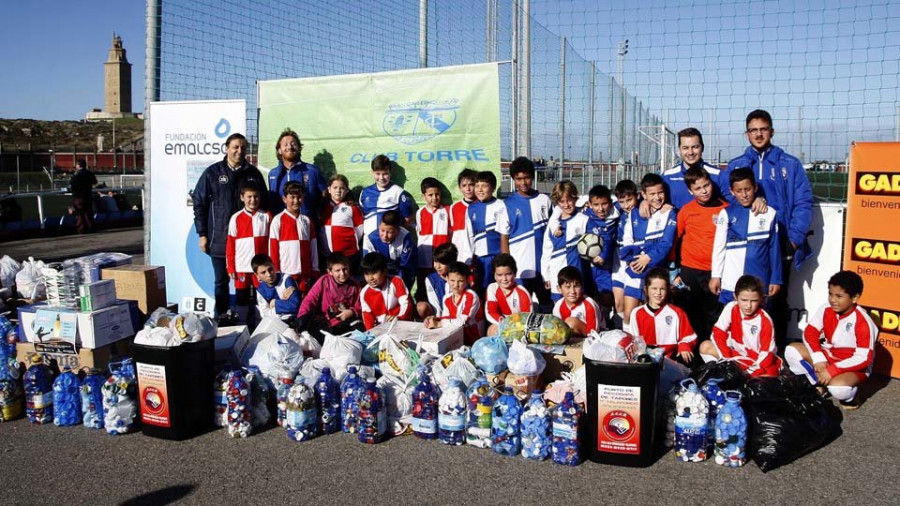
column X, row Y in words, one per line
column 95, row 329
column 143, row 283
column 434, row 341
column 64, row 355
column 560, row 358
column 230, row 343
column 97, row 295
column 522, row 385
column 498, row 381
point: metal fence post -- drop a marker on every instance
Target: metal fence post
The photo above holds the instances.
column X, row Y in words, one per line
column 562, row 109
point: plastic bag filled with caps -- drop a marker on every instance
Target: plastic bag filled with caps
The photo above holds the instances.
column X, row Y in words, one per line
column 534, row 328
column 120, row 407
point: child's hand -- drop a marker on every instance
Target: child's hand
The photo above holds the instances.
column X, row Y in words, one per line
column 558, row 232
column 547, row 285
column 431, row 322
column 639, row 264
column 821, row 369
column 287, row 293
column 598, row 260
column 686, row 356
column 389, row 318
column 759, row 205
column 272, row 304
column 345, row 315
column 232, row 275
column 715, row 285
column 644, row 209
column 666, row 207
column 774, row 289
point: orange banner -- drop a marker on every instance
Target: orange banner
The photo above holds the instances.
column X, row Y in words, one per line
column 872, row 242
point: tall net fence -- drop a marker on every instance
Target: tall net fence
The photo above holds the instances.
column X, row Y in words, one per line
column 571, row 88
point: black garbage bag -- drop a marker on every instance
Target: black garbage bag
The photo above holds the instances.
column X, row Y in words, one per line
column 733, row 378
column 787, row 419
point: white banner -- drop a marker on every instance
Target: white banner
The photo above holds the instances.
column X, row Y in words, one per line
column 809, row 286
column 185, row 138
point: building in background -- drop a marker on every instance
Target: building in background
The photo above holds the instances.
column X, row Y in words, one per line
column 117, row 85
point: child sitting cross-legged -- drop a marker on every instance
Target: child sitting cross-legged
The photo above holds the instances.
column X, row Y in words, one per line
column 332, row 303
column 385, row 297
column 276, row 294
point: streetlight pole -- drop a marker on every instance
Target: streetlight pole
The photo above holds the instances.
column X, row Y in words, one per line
column 622, row 51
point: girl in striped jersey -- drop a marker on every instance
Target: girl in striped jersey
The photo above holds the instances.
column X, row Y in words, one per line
column 559, row 249
column 504, row 297
column 342, row 221
column 660, row 324
column 461, row 306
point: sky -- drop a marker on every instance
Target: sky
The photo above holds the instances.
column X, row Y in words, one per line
column 827, row 71
column 54, row 52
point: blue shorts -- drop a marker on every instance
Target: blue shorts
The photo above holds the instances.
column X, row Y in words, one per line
column 603, row 281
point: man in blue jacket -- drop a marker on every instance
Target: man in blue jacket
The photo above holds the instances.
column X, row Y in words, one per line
column 291, row 168
column 217, row 197
column 784, row 184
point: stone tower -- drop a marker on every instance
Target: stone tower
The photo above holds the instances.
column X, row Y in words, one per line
column 117, row 80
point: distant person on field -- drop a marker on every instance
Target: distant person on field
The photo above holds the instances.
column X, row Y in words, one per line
column 82, row 184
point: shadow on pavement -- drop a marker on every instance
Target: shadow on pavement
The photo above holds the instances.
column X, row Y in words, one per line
column 167, row 495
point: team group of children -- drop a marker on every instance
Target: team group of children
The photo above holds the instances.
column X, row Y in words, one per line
column 482, row 258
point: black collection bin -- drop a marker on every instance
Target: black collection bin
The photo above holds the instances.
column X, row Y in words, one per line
column 175, row 389
column 621, row 412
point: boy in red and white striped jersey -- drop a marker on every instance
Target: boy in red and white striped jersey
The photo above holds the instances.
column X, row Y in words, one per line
column 838, row 348
column 432, row 228
column 461, row 306
column 459, row 236
column 342, row 220
column 292, row 240
column 248, row 232
column 579, row 312
column 384, row 298
column 504, row 297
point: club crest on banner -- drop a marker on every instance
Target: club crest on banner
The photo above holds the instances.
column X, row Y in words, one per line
column 418, row 121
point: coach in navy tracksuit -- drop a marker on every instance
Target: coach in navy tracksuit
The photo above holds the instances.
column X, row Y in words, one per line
column 291, row 168
column 216, row 198
column 785, row 186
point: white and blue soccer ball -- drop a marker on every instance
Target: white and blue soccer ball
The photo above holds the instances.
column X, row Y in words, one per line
column 589, row 246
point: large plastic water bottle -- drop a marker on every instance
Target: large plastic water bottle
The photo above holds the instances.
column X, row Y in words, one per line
column 66, row 399
column 92, row 398
column 535, row 428
column 328, row 395
column 120, row 408
column 424, row 412
column 567, row 418
column 731, row 432
column 39, row 392
column 452, row 413
column 480, row 397
column 505, row 424
column 351, row 389
column 12, row 395
column 259, row 397
column 716, row 399
column 220, row 397
column 301, row 418
column 691, row 412
column 372, row 421
column 238, row 396
column 281, row 398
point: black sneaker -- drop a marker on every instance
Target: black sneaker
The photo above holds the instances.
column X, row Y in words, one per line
column 850, row 405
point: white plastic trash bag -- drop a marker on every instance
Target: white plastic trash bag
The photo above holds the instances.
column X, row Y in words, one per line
column 29, row 281
column 395, row 358
column 454, row 364
column 8, row 270
column 524, row 360
column 311, row 347
column 398, row 401
column 344, row 348
column 275, row 355
column 157, row 336
column 615, row 346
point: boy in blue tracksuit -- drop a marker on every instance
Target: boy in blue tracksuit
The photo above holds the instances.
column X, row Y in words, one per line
column 277, row 294
column 603, row 221
column 291, row 168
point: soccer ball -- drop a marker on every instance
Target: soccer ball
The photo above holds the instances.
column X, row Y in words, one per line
column 589, row 246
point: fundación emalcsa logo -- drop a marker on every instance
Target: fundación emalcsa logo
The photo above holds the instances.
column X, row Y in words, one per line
column 419, row 120
column 223, row 128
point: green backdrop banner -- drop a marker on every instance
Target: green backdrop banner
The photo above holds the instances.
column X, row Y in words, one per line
column 431, row 122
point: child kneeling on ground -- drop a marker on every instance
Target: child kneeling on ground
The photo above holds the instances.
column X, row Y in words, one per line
column 744, row 332
column 838, row 347
column 661, row 324
column 332, row 303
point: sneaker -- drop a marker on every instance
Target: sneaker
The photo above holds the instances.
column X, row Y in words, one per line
column 850, row 405
column 823, row 392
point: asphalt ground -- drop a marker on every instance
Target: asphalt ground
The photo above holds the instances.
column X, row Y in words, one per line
column 74, row 465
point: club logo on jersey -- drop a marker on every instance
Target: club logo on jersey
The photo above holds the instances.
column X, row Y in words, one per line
column 772, row 174
column 305, row 178
column 762, row 223
column 848, row 327
column 668, row 320
column 417, row 121
column 223, row 179
column 753, row 329
column 784, row 173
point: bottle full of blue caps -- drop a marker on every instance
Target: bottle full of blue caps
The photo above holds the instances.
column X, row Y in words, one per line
column 120, row 408
column 505, row 424
column 66, row 399
column 281, row 398
column 301, row 418
column 12, row 395
column 567, row 419
column 39, row 391
column 691, row 412
column 351, row 389
column 535, row 428
column 372, row 414
column 328, row 395
column 92, row 398
column 425, row 403
column 452, row 413
column 239, row 400
column 716, row 399
column 731, row 432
